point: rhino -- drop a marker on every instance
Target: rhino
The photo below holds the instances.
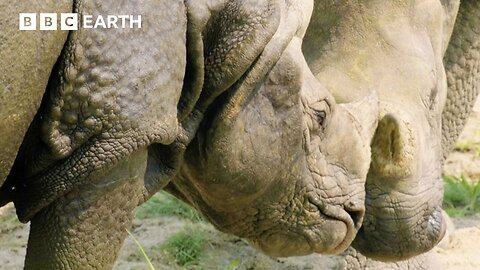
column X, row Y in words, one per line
column 410, row 53
column 235, row 107
column 419, row 118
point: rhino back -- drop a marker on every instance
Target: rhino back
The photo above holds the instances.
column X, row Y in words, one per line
column 26, row 60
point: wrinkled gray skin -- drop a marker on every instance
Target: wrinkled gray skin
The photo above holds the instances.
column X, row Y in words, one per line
column 276, row 160
column 400, row 48
column 396, row 48
column 121, row 106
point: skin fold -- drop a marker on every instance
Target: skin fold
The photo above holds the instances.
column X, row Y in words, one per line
column 302, row 126
column 80, row 170
column 23, row 81
column 462, row 65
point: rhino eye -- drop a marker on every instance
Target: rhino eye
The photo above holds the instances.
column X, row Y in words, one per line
column 320, row 116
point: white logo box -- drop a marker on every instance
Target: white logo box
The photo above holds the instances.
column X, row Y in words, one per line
column 48, row 21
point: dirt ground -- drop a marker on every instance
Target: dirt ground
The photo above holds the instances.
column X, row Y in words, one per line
column 462, row 253
column 460, row 250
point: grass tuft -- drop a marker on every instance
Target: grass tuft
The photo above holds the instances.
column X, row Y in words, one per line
column 164, row 204
column 465, row 146
column 186, row 245
column 461, row 197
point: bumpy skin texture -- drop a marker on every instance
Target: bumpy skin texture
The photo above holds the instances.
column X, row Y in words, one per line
column 23, row 74
column 110, row 113
column 80, row 170
column 462, row 63
column 110, row 94
column 276, row 160
column 224, row 38
column 86, row 228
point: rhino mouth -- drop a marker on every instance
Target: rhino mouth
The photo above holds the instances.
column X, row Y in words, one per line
column 321, row 225
column 399, row 225
column 392, row 246
column 351, row 214
column 343, row 223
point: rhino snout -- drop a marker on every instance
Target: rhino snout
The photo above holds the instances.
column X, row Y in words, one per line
column 403, row 189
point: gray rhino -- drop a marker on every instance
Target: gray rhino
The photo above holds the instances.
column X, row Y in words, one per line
column 215, row 101
column 406, row 51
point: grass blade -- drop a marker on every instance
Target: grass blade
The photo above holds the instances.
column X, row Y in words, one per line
column 150, row 265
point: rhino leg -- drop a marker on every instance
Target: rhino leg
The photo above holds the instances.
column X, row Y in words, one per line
column 79, row 173
column 108, row 135
column 86, row 228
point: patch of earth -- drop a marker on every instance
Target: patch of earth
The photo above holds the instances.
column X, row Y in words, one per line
column 13, row 239
column 222, row 251
column 228, row 252
column 461, row 253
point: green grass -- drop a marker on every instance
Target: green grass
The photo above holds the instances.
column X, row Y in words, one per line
column 462, row 197
column 164, row 204
column 183, row 247
column 186, row 245
column 233, row 265
column 469, row 146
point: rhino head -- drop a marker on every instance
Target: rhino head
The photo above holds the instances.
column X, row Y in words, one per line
column 276, row 160
column 397, row 48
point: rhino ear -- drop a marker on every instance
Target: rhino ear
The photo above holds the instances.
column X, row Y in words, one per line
column 233, row 38
column 223, row 41
column 365, row 112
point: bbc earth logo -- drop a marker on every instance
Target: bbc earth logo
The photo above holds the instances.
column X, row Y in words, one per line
column 72, row 21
